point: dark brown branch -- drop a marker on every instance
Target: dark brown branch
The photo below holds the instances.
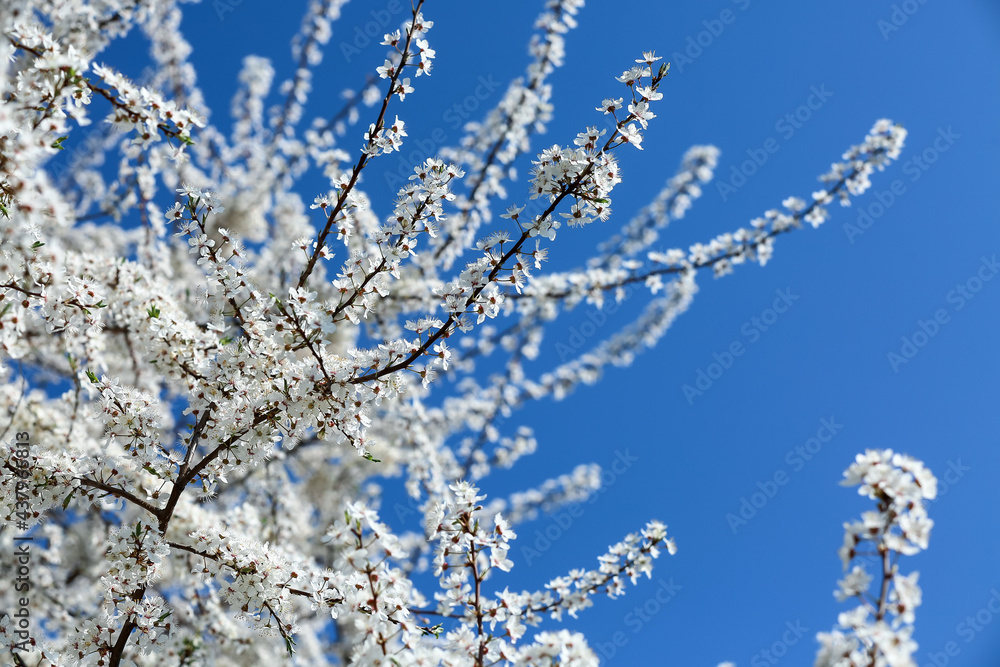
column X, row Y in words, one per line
column 363, row 160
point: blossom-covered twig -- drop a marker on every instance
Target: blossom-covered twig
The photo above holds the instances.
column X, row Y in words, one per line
column 879, row 631
column 208, row 470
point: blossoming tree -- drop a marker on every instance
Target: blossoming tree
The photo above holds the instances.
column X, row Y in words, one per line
column 241, row 360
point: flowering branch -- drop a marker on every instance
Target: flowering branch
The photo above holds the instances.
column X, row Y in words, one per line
column 178, row 286
column 879, row 631
column 378, row 139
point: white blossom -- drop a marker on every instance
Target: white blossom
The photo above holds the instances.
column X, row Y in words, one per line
column 251, row 344
column 878, row 631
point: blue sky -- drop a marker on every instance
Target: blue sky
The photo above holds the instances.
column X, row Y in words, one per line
column 821, row 368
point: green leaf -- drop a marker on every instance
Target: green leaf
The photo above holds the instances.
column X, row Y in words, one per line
column 58, row 143
column 36, row 245
column 154, row 312
column 372, row 458
column 91, row 376
column 65, row 502
column 434, row 630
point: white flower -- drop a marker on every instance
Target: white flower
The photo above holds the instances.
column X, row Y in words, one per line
column 223, row 416
column 631, row 135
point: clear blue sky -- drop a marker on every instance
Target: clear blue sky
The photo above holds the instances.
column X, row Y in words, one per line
column 825, row 358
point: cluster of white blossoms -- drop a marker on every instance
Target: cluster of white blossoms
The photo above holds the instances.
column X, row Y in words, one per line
column 489, row 147
column 466, row 556
column 222, row 374
column 879, row 631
